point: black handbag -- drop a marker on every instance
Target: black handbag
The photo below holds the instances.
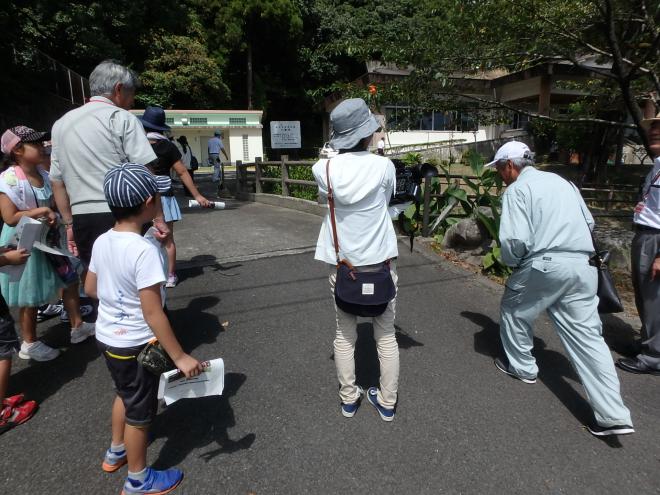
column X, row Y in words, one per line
column 359, row 293
column 608, row 297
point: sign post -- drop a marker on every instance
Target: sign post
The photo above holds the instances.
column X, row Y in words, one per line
column 285, row 134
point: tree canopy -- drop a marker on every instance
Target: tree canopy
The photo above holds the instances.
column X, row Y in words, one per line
column 283, row 55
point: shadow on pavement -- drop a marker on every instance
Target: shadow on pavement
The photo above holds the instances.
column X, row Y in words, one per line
column 195, row 267
column 41, row 380
column 620, row 336
column 554, row 369
column 193, row 326
column 191, row 424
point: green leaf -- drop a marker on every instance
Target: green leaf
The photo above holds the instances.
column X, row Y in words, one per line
column 409, row 213
column 488, row 261
column 459, row 194
column 489, row 223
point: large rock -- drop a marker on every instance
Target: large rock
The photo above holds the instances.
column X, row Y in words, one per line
column 467, row 234
column 618, row 242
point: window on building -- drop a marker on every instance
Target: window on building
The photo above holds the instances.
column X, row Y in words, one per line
column 198, row 120
column 403, row 117
column 237, row 121
column 519, row 121
column 246, row 149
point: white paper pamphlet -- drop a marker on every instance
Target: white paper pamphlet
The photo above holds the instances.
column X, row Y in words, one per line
column 33, row 233
column 174, row 386
column 30, row 234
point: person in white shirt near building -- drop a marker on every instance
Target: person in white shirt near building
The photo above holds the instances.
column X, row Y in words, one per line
column 645, row 257
column 381, row 146
column 362, row 185
column 545, row 237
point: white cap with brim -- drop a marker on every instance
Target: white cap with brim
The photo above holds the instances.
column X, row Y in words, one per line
column 511, row 150
column 647, row 123
column 351, row 121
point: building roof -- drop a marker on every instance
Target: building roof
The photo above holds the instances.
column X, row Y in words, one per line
column 204, row 119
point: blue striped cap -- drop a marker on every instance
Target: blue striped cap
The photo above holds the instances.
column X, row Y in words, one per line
column 130, row 184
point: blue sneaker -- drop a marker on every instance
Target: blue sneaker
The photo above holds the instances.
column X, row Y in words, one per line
column 385, row 413
column 156, row 482
column 113, row 460
column 348, row 410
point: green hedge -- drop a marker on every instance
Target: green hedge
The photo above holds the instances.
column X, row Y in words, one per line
column 297, row 173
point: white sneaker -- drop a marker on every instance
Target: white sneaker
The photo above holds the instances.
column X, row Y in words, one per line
column 172, row 280
column 85, row 310
column 37, row 351
column 81, row 333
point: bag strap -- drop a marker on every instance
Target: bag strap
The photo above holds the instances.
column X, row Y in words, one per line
column 648, row 190
column 593, row 238
column 331, row 203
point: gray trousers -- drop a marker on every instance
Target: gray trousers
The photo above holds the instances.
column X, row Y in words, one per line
column 564, row 285
column 645, row 247
column 218, row 167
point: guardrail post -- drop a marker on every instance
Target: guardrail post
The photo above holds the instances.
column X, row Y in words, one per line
column 257, row 175
column 610, row 197
column 285, row 176
column 427, row 204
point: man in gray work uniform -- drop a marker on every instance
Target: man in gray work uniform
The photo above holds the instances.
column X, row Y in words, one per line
column 545, row 237
column 646, row 262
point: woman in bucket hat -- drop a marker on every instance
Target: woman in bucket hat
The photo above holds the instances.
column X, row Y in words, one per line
column 362, row 185
column 169, row 157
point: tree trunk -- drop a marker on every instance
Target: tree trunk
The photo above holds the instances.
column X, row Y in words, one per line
column 622, row 73
column 249, row 76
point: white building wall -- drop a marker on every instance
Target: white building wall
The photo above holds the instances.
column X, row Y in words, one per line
column 401, row 138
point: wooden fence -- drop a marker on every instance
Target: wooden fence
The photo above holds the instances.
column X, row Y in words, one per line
column 244, row 180
column 602, row 197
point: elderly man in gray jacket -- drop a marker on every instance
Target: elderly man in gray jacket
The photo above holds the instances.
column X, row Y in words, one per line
column 545, row 236
column 87, row 142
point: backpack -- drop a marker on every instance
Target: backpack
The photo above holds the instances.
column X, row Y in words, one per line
column 194, row 164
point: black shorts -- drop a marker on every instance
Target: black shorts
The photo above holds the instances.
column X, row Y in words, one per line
column 137, row 387
column 8, row 336
column 87, row 228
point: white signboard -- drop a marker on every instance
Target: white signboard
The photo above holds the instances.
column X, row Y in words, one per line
column 285, row 134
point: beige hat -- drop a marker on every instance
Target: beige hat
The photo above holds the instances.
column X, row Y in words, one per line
column 646, row 123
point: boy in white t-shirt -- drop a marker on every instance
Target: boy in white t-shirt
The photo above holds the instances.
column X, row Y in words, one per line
column 126, row 276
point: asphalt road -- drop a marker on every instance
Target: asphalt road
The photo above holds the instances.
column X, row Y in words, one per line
column 461, row 426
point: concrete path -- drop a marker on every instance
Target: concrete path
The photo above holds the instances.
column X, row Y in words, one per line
column 461, row 426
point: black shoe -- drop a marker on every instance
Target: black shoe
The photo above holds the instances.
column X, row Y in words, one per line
column 634, row 365
column 502, row 364
column 604, row 431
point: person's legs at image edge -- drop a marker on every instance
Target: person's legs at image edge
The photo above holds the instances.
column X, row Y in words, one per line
column 647, row 296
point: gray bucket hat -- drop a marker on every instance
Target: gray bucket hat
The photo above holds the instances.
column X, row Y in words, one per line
column 351, row 122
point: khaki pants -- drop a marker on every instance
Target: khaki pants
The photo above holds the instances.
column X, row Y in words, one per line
column 386, row 344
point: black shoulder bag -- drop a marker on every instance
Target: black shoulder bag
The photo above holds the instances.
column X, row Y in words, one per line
column 359, row 293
